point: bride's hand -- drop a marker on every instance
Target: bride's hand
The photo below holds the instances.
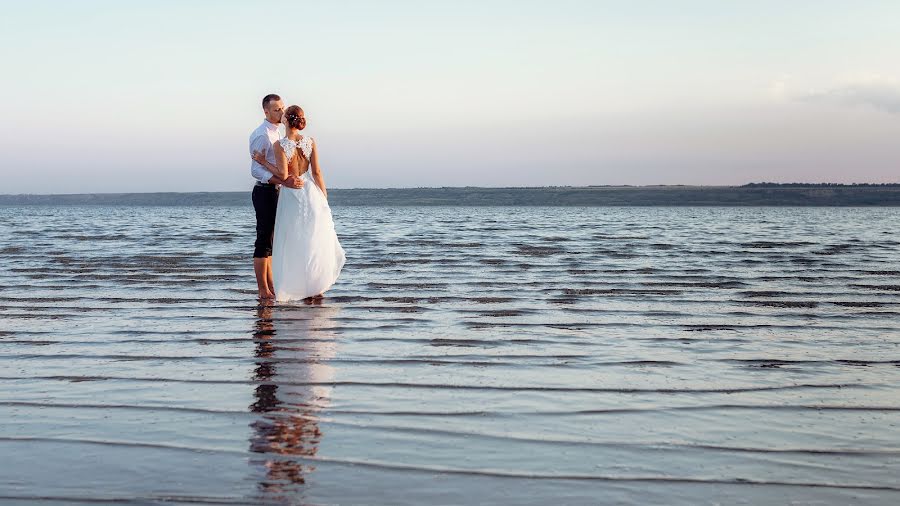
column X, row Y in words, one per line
column 258, row 157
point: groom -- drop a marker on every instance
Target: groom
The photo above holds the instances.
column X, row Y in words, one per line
column 265, row 192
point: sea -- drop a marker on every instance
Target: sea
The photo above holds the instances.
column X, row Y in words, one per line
column 466, row 355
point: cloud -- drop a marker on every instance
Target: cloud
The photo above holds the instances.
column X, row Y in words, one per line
column 879, row 93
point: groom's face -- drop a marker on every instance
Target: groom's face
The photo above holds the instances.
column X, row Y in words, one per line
column 274, row 110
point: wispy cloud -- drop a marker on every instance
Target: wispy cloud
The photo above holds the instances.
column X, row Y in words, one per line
column 880, row 93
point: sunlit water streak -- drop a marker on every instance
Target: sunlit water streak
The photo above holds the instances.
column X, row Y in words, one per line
column 487, row 355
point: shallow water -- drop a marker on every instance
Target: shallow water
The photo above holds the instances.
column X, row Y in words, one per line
column 486, row 355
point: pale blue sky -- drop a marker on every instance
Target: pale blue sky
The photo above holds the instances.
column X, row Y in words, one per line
column 105, row 96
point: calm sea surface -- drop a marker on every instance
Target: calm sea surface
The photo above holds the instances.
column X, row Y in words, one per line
column 487, row 355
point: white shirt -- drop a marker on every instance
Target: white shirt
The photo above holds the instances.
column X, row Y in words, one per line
column 263, row 139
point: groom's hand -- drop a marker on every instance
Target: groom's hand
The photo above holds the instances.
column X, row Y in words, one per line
column 293, row 182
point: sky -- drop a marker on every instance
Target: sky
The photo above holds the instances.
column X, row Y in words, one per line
column 111, row 96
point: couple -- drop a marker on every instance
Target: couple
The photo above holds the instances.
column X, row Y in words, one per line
column 297, row 255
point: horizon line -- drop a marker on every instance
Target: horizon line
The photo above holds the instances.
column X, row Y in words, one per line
column 744, row 185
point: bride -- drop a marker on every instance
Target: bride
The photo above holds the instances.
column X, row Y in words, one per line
column 306, row 255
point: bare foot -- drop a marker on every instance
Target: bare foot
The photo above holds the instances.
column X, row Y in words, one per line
column 314, row 300
column 266, row 295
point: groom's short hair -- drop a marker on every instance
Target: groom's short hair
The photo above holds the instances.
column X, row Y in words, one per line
column 271, row 97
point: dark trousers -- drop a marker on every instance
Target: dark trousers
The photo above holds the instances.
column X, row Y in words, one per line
column 265, row 202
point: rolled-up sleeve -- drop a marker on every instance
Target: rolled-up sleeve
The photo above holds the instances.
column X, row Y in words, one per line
column 259, row 143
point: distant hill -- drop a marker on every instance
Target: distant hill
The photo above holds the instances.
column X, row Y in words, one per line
column 819, row 185
column 754, row 194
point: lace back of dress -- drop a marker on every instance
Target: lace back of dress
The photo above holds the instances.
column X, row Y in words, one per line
column 289, row 147
column 304, row 145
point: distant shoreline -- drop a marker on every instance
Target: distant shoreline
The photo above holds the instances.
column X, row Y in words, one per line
column 754, row 194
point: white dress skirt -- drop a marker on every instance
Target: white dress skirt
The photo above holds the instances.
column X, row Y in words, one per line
column 306, row 255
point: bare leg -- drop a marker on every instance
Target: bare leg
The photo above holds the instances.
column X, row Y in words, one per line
column 270, row 282
column 259, row 267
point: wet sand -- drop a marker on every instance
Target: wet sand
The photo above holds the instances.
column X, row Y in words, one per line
column 489, row 355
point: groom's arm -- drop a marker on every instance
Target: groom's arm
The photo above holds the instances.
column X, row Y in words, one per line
column 291, row 181
column 277, row 180
column 260, row 172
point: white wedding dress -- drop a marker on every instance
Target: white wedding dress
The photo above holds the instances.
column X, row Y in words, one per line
column 306, row 255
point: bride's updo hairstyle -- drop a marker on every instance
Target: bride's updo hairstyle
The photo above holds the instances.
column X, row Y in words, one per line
column 295, row 117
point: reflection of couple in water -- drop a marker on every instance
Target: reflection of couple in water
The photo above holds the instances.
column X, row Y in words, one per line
column 288, row 425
